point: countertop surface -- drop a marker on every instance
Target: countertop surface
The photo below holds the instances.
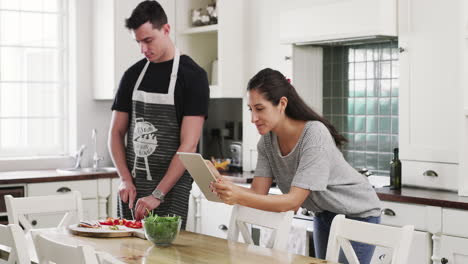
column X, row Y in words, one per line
column 423, row 196
column 405, row 195
column 36, row 176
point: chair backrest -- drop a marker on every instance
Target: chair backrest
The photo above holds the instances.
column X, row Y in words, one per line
column 344, row 230
column 52, row 251
column 12, row 236
column 279, row 222
column 106, row 258
column 70, row 204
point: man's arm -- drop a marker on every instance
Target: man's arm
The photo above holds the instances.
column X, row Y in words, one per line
column 118, row 130
column 190, row 133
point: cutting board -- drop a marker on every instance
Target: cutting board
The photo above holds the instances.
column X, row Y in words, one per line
column 105, row 232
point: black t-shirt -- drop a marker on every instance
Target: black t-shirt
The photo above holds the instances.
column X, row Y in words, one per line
column 191, row 95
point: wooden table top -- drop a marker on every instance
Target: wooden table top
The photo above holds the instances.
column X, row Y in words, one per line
column 187, row 248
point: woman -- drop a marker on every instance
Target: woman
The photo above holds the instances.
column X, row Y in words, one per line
column 300, row 151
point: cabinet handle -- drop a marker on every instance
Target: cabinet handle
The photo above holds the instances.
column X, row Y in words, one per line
column 63, row 190
column 382, row 257
column 223, row 227
column 444, row 261
column 286, row 58
column 430, row 173
column 33, row 222
column 388, row 211
column 401, row 49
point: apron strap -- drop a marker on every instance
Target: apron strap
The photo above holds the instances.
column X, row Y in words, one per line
column 175, row 68
column 140, row 77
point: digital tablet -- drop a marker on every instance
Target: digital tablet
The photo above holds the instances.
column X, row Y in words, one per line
column 198, row 169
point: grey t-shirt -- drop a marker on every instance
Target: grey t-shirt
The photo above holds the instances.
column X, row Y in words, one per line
column 316, row 164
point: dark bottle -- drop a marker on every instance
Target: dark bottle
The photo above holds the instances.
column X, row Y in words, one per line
column 395, row 171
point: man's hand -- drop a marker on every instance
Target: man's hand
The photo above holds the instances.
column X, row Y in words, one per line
column 144, row 205
column 127, row 192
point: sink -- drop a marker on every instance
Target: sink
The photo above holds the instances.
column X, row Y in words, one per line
column 86, row 170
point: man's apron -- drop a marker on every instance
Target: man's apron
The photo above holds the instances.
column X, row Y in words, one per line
column 152, row 141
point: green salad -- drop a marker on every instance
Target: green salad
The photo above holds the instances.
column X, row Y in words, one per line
column 161, row 230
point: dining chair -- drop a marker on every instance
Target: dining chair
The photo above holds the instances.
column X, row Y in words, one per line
column 12, row 236
column 70, row 204
column 280, row 223
column 106, row 258
column 48, row 250
column 344, row 230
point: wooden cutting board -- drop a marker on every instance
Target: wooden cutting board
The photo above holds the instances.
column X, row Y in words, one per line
column 105, row 232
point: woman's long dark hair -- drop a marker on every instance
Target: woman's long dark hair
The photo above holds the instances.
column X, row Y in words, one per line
column 273, row 85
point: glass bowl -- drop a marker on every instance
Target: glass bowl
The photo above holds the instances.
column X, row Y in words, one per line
column 162, row 231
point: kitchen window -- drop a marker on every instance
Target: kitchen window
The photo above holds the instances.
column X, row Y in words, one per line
column 33, row 77
column 360, row 98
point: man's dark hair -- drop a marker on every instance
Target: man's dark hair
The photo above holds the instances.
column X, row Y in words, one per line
column 147, row 11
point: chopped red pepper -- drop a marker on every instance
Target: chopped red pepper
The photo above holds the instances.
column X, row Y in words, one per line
column 134, row 224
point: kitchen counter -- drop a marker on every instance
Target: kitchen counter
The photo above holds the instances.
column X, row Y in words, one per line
column 423, row 196
column 35, row 176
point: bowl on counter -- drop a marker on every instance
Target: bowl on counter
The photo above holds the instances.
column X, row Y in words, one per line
column 162, row 230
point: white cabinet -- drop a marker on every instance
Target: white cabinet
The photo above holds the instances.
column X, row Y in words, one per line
column 454, row 250
column 114, row 48
column 425, row 219
column 94, row 194
column 317, row 21
column 430, row 91
column 215, row 218
column 223, row 42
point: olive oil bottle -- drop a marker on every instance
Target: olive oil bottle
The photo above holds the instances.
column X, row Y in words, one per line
column 395, row 171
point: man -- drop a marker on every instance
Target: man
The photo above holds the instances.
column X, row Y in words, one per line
column 160, row 107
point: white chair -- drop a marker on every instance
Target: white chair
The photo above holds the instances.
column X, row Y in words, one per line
column 106, row 258
column 344, row 230
column 279, row 222
column 52, row 251
column 70, row 204
column 12, row 236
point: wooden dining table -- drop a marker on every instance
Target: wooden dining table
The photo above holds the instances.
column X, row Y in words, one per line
column 188, row 247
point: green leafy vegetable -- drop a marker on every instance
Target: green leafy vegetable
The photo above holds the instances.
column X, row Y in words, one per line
column 161, row 230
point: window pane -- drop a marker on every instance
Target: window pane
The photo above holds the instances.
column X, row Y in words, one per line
column 29, row 64
column 9, row 30
column 12, row 100
column 44, row 133
column 43, row 100
column 31, row 29
column 11, row 133
column 51, row 5
column 10, row 4
column 51, row 30
column 31, row 5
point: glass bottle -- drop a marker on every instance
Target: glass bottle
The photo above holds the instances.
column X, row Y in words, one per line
column 395, row 171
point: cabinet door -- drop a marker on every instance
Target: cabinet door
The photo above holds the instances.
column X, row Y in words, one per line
column 90, row 212
column 215, row 218
column 454, row 250
column 429, row 33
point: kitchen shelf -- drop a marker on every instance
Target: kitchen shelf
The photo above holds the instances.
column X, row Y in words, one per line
column 202, row 29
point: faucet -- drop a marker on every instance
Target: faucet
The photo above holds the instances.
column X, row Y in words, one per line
column 78, row 156
column 96, row 158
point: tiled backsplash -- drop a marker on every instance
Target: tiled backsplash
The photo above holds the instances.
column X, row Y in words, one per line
column 360, row 98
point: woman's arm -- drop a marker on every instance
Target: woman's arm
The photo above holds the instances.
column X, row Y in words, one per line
column 233, row 194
